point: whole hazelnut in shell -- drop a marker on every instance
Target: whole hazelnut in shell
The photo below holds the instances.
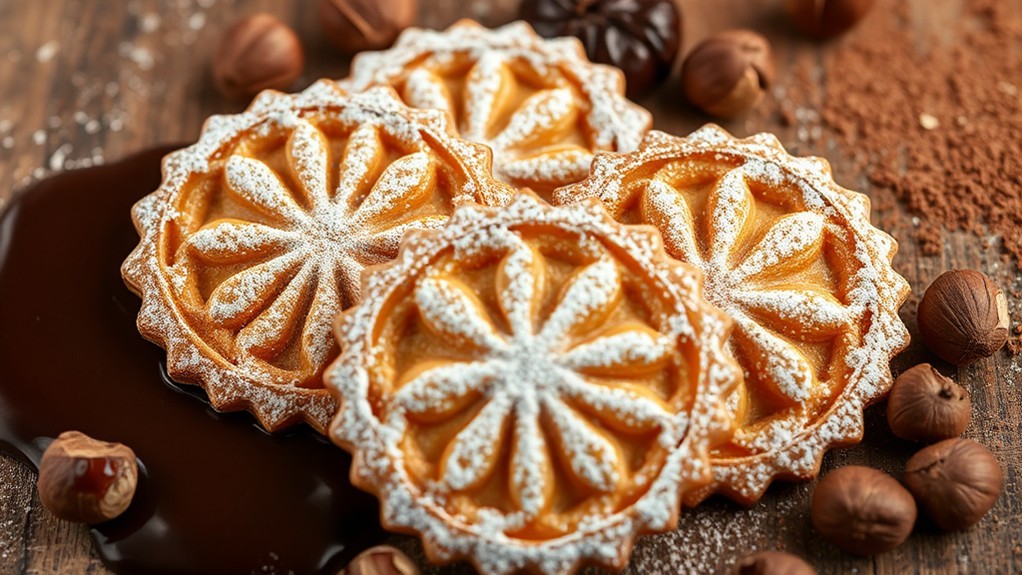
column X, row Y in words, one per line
column 356, row 25
column 772, row 563
column 257, row 53
column 381, row 560
column 827, row 18
column 963, row 316
column 728, row 73
column 956, row 482
column 926, row 406
column 85, row 480
column 862, row 511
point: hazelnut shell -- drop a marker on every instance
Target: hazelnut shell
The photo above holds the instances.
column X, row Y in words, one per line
column 956, row 482
column 824, row 19
column 257, row 53
column 926, row 406
column 728, row 73
column 862, row 511
column 963, row 316
column 381, row 560
column 772, row 563
column 85, row 480
column 356, row 25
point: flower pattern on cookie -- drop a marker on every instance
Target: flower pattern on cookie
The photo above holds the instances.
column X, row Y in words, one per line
column 530, row 387
column 792, row 258
column 531, row 374
column 321, row 238
column 757, row 285
column 522, row 147
column 258, row 233
column 539, row 104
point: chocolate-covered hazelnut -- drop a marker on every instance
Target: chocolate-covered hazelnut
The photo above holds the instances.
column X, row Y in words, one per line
column 862, row 511
column 641, row 37
column 259, row 52
column 926, row 406
column 356, row 25
column 963, row 316
column 381, row 560
column 956, row 482
column 85, row 480
column 728, row 73
column 772, row 563
column 827, row 18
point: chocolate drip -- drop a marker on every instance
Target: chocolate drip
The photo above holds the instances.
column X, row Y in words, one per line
column 217, row 494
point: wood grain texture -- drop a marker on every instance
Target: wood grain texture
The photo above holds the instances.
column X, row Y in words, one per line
column 86, row 81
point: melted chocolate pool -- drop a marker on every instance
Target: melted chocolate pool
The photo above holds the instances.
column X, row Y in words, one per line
column 217, row 495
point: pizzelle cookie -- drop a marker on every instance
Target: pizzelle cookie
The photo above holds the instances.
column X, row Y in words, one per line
column 531, row 387
column 257, row 236
column 541, row 105
column 792, row 258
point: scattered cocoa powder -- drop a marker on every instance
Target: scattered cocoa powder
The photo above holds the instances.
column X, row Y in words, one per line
column 933, row 112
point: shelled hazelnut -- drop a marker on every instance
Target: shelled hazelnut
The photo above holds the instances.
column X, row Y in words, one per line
column 356, row 25
column 963, row 316
column 862, row 510
column 926, row 406
column 381, row 560
column 85, row 480
column 827, row 18
column 772, row 563
column 728, row 73
column 257, row 53
column 956, row 482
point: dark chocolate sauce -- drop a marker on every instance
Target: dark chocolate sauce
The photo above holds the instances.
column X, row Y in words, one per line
column 218, row 495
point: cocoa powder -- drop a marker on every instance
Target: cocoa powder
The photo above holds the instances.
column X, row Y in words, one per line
column 933, row 113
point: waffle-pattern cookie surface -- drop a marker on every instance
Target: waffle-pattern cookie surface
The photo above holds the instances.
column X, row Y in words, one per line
column 257, row 236
column 792, row 258
column 529, row 388
column 541, row 105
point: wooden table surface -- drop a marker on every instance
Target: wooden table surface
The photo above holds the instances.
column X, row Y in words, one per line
column 84, row 82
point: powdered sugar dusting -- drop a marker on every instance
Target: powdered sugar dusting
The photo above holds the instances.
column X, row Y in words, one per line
column 634, row 347
column 423, row 89
column 529, row 370
column 568, row 164
column 540, row 113
column 255, row 182
column 224, row 242
column 592, row 458
column 756, row 278
column 238, row 297
column 533, row 148
column 296, row 264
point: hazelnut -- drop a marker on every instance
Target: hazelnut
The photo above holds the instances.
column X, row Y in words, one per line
column 773, row 563
column 728, row 73
column 862, row 510
column 926, row 406
column 381, row 560
column 955, row 481
column 357, row 25
column 85, row 480
column 963, row 316
column 259, row 52
column 827, row 18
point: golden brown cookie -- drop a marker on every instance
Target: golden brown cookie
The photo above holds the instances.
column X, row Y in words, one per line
column 792, row 258
column 541, row 105
column 258, row 233
column 531, row 387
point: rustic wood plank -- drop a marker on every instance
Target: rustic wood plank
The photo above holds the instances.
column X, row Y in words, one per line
column 83, row 82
